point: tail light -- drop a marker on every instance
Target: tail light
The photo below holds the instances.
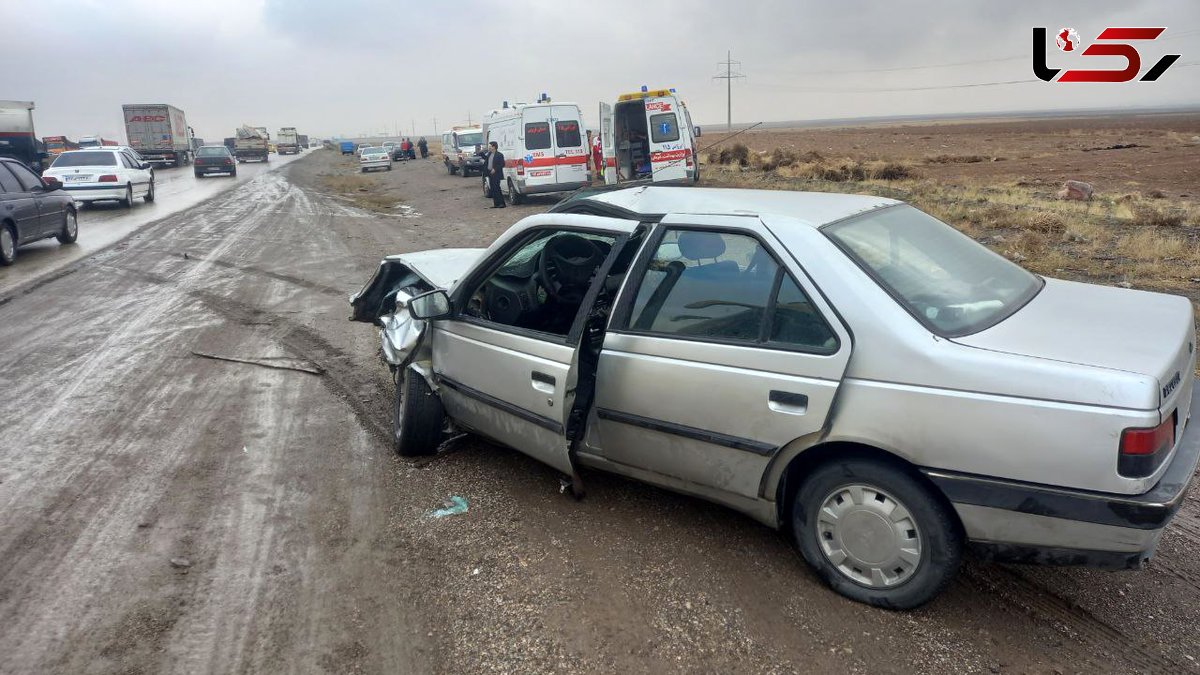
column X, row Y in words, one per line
column 1143, row 450
column 228, row 161
column 108, row 178
column 520, row 167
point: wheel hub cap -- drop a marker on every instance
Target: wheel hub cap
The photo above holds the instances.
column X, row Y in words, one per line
column 6, row 242
column 869, row 536
column 71, row 225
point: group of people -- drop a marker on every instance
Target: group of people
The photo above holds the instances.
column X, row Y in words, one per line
column 407, row 149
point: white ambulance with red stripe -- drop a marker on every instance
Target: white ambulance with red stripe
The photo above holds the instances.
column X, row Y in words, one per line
column 544, row 146
column 647, row 136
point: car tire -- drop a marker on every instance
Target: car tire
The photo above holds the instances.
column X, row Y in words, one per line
column 233, row 174
column 514, row 195
column 389, row 167
column 127, row 201
column 149, row 197
column 487, row 193
column 197, row 174
column 8, row 244
column 417, row 415
column 70, row 228
column 886, row 512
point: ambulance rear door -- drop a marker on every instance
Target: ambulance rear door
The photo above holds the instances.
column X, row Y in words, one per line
column 537, row 130
column 570, row 149
column 668, row 147
column 608, row 147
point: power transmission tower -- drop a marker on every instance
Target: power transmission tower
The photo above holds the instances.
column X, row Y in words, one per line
column 468, row 118
column 729, row 76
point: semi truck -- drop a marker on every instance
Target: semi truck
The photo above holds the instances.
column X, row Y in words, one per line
column 17, row 139
column 159, row 132
column 304, row 142
column 56, row 145
column 252, row 144
column 288, row 141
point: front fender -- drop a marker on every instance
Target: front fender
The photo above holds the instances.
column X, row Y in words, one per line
column 400, row 335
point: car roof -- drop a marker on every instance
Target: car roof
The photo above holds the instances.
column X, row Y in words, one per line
column 812, row 208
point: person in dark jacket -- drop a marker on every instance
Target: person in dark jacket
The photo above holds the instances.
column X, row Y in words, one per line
column 495, row 173
column 424, row 147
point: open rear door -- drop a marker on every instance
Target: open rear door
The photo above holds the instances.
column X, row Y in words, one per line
column 607, row 142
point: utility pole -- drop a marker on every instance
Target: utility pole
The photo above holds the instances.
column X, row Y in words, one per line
column 436, row 128
column 729, row 75
column 414, row 127
column 468, row 118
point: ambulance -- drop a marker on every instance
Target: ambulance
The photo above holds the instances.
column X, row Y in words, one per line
column 647, row 136
column 460, row 148
column 544, row 146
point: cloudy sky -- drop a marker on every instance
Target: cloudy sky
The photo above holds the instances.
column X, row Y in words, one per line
column 347, row 67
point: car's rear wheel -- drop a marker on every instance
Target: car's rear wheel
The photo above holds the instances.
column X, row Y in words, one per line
column 8, row 244
column 70, row 228
column 876, row 533
column 127, row 200
column 417, row 415
column 149, row 192
column 514, row 196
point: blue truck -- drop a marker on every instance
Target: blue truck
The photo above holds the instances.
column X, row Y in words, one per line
column 347, row 147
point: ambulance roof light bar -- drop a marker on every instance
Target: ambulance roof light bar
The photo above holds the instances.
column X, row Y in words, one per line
column 646, row 93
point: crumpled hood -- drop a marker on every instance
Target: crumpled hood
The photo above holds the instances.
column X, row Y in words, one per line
column 440, row 267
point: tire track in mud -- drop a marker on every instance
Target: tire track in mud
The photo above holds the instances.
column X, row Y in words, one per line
column 1093, row 641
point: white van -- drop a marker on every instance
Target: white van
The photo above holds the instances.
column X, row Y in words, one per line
column 544, row 147
column 648, row 136
column 460, row 148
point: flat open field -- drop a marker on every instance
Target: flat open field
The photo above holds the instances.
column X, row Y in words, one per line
column 1046, row 150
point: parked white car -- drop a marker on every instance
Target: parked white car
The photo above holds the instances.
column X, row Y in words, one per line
column 103, row 174
column 374, row 158
column 844, row 367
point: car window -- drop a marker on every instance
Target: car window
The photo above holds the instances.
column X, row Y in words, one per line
column 664, row 127
column 706, row 285
column 566, row 134
column 28, row 179
column 128, row 163
column 212, row 152
column 537, row 135
column 950, row 282
column 8, row 182
column 86, row 158
column 795, row 321
column 540, row 286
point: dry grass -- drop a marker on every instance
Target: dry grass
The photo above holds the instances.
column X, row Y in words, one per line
column 955, row 159
column 365, row 190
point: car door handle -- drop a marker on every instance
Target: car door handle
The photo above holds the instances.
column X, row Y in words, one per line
column 787, row 402
column 542, row 382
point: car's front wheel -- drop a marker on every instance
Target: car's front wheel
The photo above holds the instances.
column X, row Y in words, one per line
column 70, row 228
column 875, row 533
column 417, row 415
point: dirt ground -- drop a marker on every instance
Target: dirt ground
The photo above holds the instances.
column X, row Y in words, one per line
column 162, row 510
column 1029, row 150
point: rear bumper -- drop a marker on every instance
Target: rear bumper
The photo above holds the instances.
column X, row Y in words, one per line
column 1024, row 522
column 96, row 193
column 383, row 164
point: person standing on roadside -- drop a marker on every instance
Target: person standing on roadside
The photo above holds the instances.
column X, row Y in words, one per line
column 495, row 171
column 424, row 147
column 598, row 157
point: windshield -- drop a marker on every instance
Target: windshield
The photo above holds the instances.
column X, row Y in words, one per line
column 950, row 282
column 90, row 158
column 474, row 138
column 212, row 152
column 374, row 151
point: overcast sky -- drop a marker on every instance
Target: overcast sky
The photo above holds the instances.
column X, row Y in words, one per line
column 346, row 67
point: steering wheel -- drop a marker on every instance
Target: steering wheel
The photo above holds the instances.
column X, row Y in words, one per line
column 566, row 265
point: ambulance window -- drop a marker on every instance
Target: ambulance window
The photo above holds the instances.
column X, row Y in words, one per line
column 664, row 127
column 566, row 133
column 537, row 136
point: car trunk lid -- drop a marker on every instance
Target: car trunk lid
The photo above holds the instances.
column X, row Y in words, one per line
column 1151, row 334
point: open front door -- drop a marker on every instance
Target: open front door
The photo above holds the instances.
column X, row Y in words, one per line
column 607, row 142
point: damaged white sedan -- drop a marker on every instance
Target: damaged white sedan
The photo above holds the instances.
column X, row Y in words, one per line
column 845, row 367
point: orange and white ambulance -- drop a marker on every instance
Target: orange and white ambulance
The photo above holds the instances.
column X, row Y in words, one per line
column 544, row 145
column 647, row 136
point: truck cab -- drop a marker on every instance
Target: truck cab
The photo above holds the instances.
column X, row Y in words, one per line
column 648, row 136
column 460, row 148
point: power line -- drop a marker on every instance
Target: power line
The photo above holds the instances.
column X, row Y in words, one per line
column 833, row 90
column 729, row 76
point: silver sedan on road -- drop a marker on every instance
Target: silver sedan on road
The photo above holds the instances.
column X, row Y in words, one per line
column 845, row 367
